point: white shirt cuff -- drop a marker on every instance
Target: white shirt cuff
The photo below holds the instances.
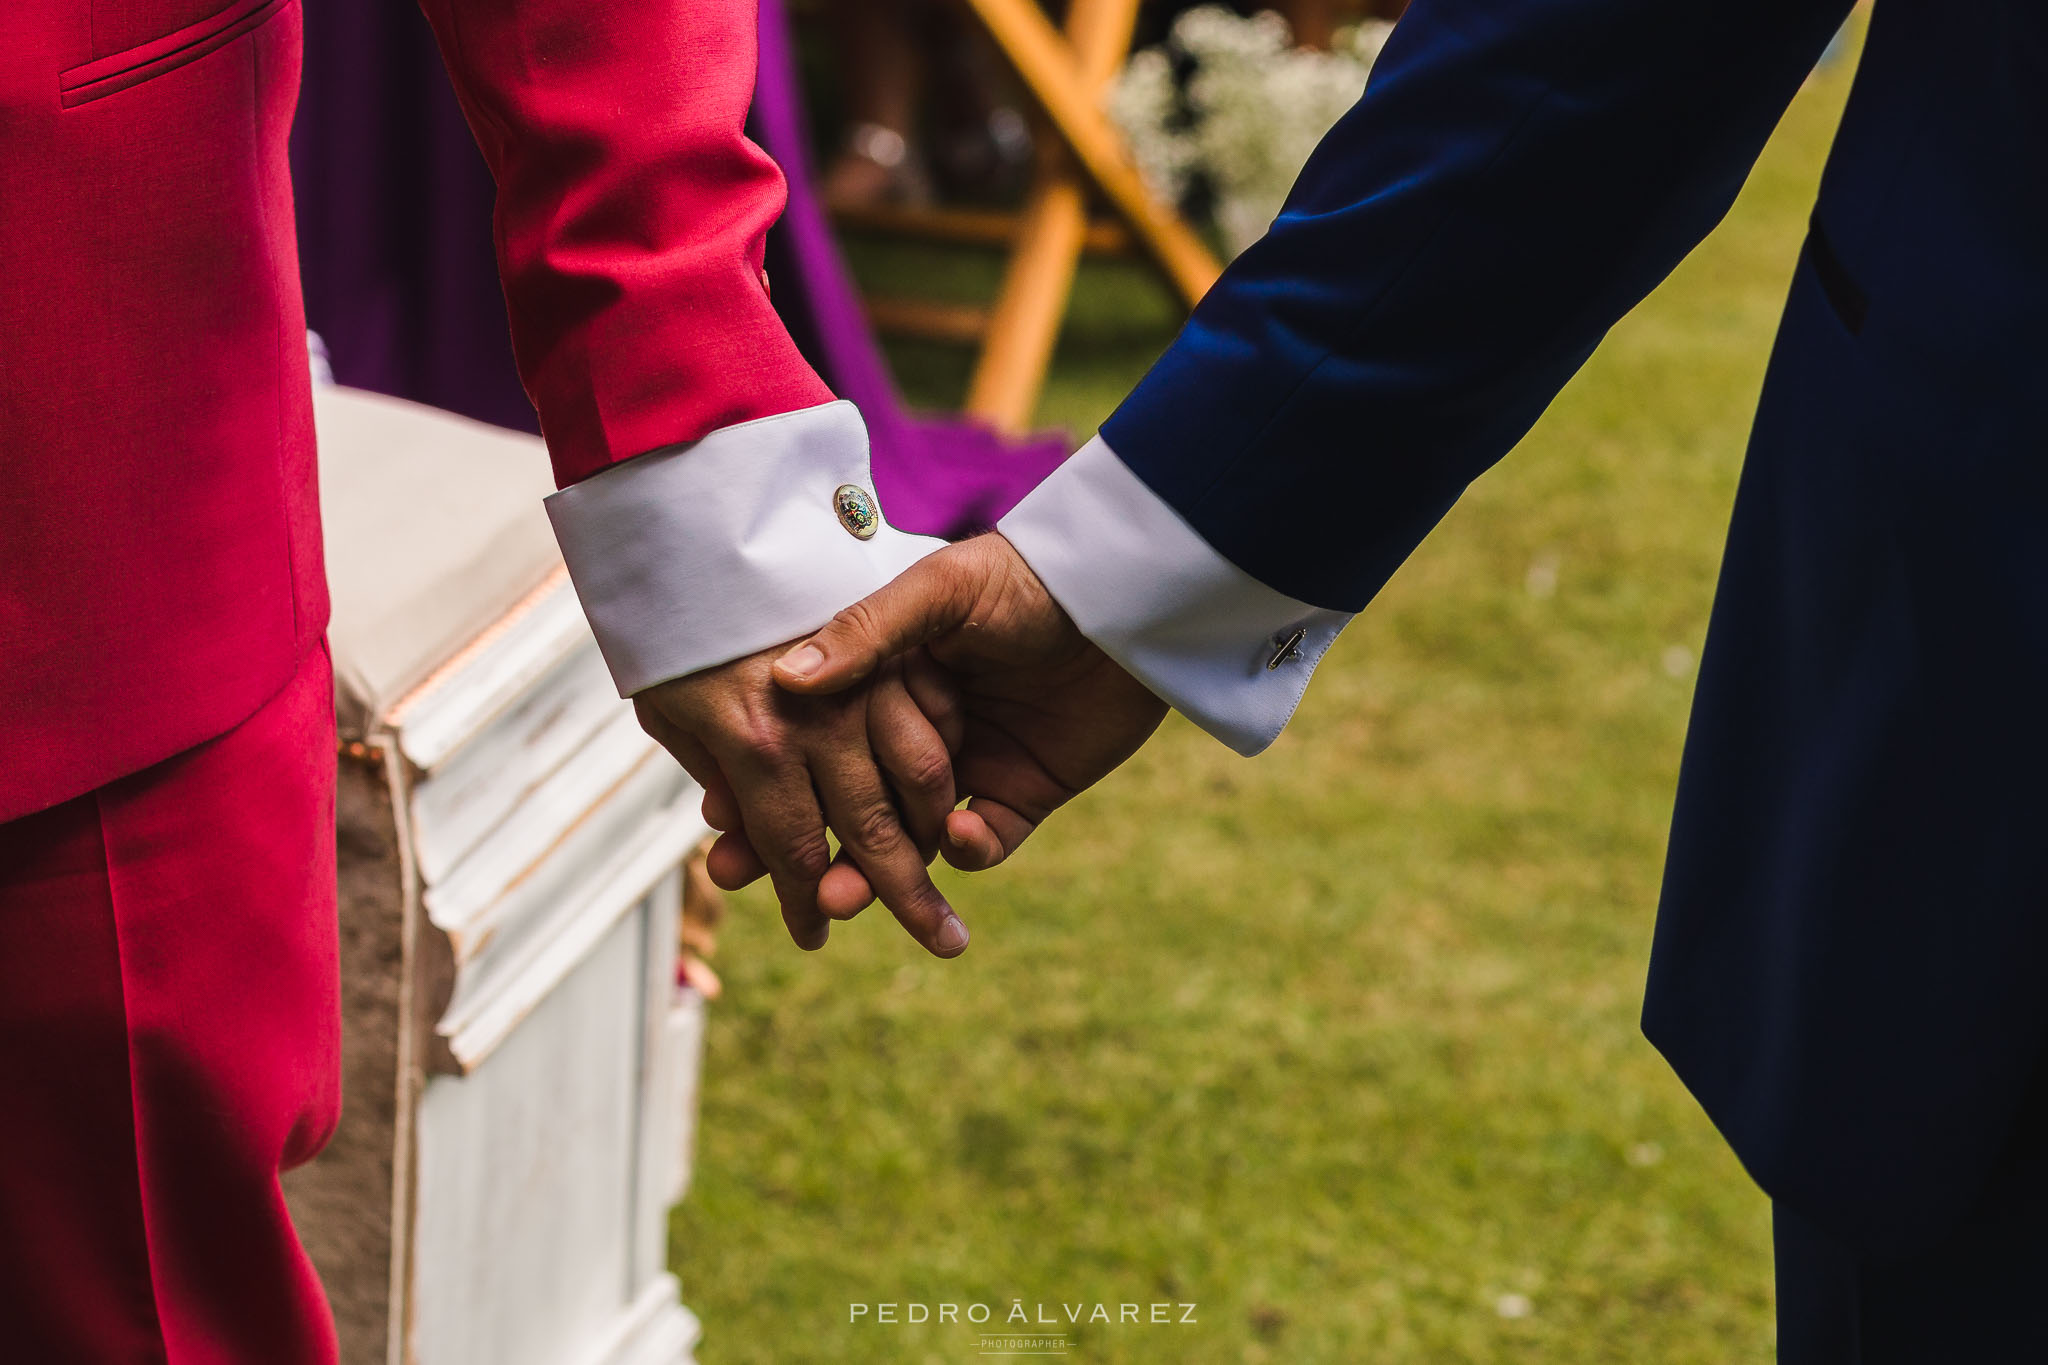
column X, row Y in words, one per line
column 701, row 553
column 1214, row 643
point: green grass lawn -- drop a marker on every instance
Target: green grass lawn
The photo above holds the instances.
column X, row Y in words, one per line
column 1339, row 1045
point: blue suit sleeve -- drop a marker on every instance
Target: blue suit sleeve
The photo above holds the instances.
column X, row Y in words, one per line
column 1517, row 175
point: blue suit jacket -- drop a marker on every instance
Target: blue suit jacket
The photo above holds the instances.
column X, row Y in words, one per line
column 1851, row 961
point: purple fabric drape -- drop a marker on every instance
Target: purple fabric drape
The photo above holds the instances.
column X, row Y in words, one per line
column 395, row 249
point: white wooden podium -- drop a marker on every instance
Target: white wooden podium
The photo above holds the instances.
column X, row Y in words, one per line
column 520, row 1065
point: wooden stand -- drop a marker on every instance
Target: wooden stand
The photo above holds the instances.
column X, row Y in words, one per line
column 1067, row 75
column 519, row 1063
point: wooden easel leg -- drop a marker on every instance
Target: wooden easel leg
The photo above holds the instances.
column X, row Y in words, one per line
column 1024, row 325
column 1046, row 62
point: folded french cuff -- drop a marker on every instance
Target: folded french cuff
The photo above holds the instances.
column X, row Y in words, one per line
column 697, row 554
column 1214, row 643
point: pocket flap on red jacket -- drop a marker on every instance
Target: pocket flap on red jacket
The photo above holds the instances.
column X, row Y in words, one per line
column 120, row 70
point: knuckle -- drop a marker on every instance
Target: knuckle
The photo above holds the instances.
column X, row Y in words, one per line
column 857, row 620
column 759, row 736
column 874, row 826
column 807, row 856
column 928, row 771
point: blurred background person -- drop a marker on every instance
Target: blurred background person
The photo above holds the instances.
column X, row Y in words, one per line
column 928, row 107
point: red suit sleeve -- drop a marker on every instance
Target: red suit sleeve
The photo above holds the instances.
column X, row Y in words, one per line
column 631, row 216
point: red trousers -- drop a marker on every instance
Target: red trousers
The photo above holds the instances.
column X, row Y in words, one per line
column 170, row 1040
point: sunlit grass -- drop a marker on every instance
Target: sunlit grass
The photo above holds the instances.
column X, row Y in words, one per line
column 1339, row 1044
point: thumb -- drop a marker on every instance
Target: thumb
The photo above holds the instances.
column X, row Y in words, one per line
column 931, row 598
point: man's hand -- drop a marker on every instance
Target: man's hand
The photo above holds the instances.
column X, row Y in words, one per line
column 783, row 766
column 1046, row 713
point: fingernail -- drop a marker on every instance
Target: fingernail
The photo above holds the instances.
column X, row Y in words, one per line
column 952, row 935
column 802, row 661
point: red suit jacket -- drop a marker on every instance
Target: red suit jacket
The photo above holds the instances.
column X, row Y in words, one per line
column 160, row 565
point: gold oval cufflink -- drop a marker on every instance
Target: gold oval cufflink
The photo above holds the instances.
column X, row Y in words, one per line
column 857, row 511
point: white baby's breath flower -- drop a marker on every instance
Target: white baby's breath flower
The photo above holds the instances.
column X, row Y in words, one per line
column 1143, row 103
column 1255, row 108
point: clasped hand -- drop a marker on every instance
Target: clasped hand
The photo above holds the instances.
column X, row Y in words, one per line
column 962, row 679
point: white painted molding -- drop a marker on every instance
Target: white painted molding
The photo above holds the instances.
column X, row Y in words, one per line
column 553, row 812
column 473, row 789
column 656, row 1330
column 459, row 699
column 523, row 1114
column 484, row 1014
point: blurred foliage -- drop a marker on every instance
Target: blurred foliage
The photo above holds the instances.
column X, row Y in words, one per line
column 1340, row 1045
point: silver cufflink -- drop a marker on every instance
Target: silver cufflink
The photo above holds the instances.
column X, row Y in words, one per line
column 856, row 509
column 1287, row 649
